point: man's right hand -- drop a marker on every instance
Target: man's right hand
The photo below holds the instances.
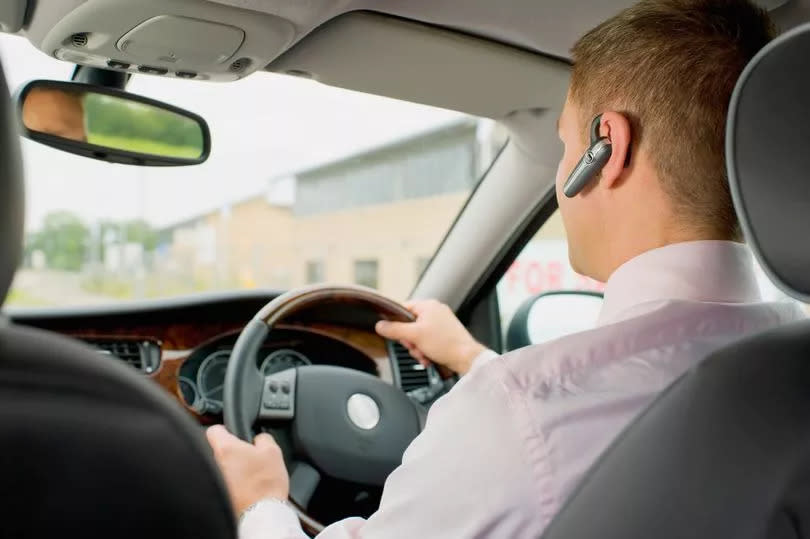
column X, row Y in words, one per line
column 436, row 336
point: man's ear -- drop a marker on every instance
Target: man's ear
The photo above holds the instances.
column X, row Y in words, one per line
column 616, row 128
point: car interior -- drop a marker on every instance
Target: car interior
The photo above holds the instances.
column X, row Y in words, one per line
column 102, row 431
column 79, row 434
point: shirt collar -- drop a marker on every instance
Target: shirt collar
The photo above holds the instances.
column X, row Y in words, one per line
column 704, row 271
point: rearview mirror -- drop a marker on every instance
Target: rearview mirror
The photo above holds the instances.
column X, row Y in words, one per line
column 552, row 315
column 111, row 125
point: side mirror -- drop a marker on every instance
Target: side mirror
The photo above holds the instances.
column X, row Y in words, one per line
column 551, row 315
column 111, row 125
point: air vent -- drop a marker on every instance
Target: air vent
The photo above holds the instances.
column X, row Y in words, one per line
column 412, row 374
column 239, row 65
column 79, row 40
column 143, row 355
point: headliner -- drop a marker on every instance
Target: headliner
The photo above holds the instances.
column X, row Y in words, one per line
column 547, row 26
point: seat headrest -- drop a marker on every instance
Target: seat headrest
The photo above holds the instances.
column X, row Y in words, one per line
column 12, row 200
column 768, row 158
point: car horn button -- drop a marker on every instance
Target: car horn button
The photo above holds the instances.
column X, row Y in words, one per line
column 363, row 411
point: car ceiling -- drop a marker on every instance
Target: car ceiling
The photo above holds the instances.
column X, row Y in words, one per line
column 546, row 26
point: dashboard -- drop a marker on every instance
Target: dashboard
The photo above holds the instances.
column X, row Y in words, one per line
column 202, row 390
column 184, row 344
column 202, row 375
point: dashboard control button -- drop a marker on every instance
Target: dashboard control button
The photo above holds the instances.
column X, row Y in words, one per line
column 117, row 64
column 153, row 70
column 278, row 398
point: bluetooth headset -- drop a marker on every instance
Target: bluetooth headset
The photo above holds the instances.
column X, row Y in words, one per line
column 591, row 164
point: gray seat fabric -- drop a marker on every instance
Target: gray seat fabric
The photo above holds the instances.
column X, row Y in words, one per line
column 12, row 200
column 769, row 162
column 89, row 447
column 725, row 451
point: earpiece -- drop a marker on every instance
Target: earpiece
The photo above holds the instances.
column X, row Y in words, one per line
column 591, row 163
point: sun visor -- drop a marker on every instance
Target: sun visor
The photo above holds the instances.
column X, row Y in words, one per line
column 387, row 56
column 182, row 38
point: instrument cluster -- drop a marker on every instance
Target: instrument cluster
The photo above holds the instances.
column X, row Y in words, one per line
column 202, row 388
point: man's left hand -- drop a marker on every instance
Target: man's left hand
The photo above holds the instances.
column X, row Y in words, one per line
column 252, row 472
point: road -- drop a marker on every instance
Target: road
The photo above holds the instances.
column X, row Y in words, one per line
column 42, row 288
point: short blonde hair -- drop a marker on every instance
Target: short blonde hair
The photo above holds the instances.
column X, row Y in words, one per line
column 671, row 66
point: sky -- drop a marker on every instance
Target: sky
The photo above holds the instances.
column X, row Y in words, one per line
column 264, row 127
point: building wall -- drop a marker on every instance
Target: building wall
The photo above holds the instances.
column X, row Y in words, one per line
column 400, row 236
column 254, row 244
column 434, row 164
column 223, row 249
column 244, row 246
column 391, row 206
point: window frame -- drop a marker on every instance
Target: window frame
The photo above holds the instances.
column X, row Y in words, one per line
column 319, row 264
column 477, row 311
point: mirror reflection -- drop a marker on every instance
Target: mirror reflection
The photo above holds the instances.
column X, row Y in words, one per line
column 55, row 112
column 556, row 315
column 551, row 315
column 113, row 122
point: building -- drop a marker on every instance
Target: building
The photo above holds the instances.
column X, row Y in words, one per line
column 374, row 219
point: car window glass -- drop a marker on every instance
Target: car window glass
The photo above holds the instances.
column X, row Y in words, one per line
column 305, row 184
column 542, row 267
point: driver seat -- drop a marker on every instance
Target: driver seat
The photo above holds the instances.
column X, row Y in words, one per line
column 88, row 447
column 725, row 451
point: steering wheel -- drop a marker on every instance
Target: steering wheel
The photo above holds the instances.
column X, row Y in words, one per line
column 344, row 424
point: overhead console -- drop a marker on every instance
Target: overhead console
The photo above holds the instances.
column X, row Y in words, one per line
column 185, row 39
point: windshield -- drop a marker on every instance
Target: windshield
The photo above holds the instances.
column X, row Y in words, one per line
column 305, row 184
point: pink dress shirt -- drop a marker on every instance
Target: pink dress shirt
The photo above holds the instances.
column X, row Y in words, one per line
column 501, row 451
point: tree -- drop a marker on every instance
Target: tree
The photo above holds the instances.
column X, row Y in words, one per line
column 116, row 233
column 63, row 238
column 139, row 231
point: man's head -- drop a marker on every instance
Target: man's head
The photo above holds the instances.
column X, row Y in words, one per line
column 661, row 73
column 55, row 112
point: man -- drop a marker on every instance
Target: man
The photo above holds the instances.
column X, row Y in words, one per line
column 55, row 112
column 503, row 450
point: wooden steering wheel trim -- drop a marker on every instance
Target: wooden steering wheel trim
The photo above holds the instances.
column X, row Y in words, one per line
column 295, row 301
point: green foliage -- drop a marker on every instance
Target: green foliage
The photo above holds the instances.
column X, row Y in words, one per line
column 23, row 298
column 139, row 231
column 67, row 242
column 136, row 127
column 109, row 286
column 135, row 231
column 149, row 147
column 64, row 240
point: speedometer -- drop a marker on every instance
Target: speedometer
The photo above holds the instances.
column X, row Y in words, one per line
column 211, row 379
column 190, row 393
column 283, row 359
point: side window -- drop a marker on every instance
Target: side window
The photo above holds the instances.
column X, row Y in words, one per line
column 540, row 297
column 539, row 273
